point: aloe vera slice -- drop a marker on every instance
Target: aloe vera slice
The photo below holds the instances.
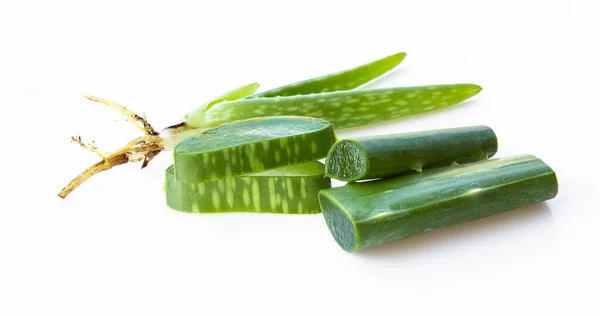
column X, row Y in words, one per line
column 386, row 155
column 343, row 80
column 287, row 190
column 361, row 215
column 343, row 108
column 251, row 146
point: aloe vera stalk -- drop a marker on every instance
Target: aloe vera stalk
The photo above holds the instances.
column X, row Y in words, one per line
column 343, row 108
column 251, row 146
column 286, row 190
column 343, row 80
column 361, row 215
column 387, row 155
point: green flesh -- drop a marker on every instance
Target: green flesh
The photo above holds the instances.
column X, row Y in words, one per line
column 361, row 215
column 251, row 146
column 387, row 155
column 289, row 190
column 344, row 80
column 343, row 109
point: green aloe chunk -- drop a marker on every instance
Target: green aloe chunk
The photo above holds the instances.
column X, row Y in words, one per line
column 361, row 215
column 287, row 190
column 343, row 108
column 387, row 155
column 251, row 146
column 343, row 80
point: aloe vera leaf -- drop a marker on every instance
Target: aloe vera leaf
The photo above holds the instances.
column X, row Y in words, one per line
column 287, row 190
column 237, row 93
column 343, row 80
column 251, row 146
column 344, row 108
column 387, row 155
column 361, row 215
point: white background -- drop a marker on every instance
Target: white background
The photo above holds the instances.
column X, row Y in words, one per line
column 114, row 248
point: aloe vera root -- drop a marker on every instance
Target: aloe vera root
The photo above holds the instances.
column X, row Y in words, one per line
column 362, row 215
column 387, row 155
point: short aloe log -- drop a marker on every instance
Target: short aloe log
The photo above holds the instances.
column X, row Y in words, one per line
column 361, row 215
column 287, row 190
column 387, row 155
column 251, row 146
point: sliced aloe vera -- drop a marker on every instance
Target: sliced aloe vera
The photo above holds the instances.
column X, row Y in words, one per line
column 287, row 190
column 387, row 155
column 251, row 146
column 343, row 80
column 361, row 215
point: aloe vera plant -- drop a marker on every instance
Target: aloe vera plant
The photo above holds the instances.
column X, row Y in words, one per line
column 362, row 215
column 251, row 146
column 342, row 108
column 387, row 155
column 287, row 190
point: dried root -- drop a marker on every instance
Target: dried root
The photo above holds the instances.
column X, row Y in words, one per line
column 90, row 146
column 142, row 148
column 138, row 121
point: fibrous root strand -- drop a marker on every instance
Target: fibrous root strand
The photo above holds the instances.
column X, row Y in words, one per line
column 142, row 148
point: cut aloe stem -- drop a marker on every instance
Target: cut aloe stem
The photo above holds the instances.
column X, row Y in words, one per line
column 287, row 190
column 386, row 155
column 343, row 108
column 361, row 215
column 343, row 80
column 251, row 146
